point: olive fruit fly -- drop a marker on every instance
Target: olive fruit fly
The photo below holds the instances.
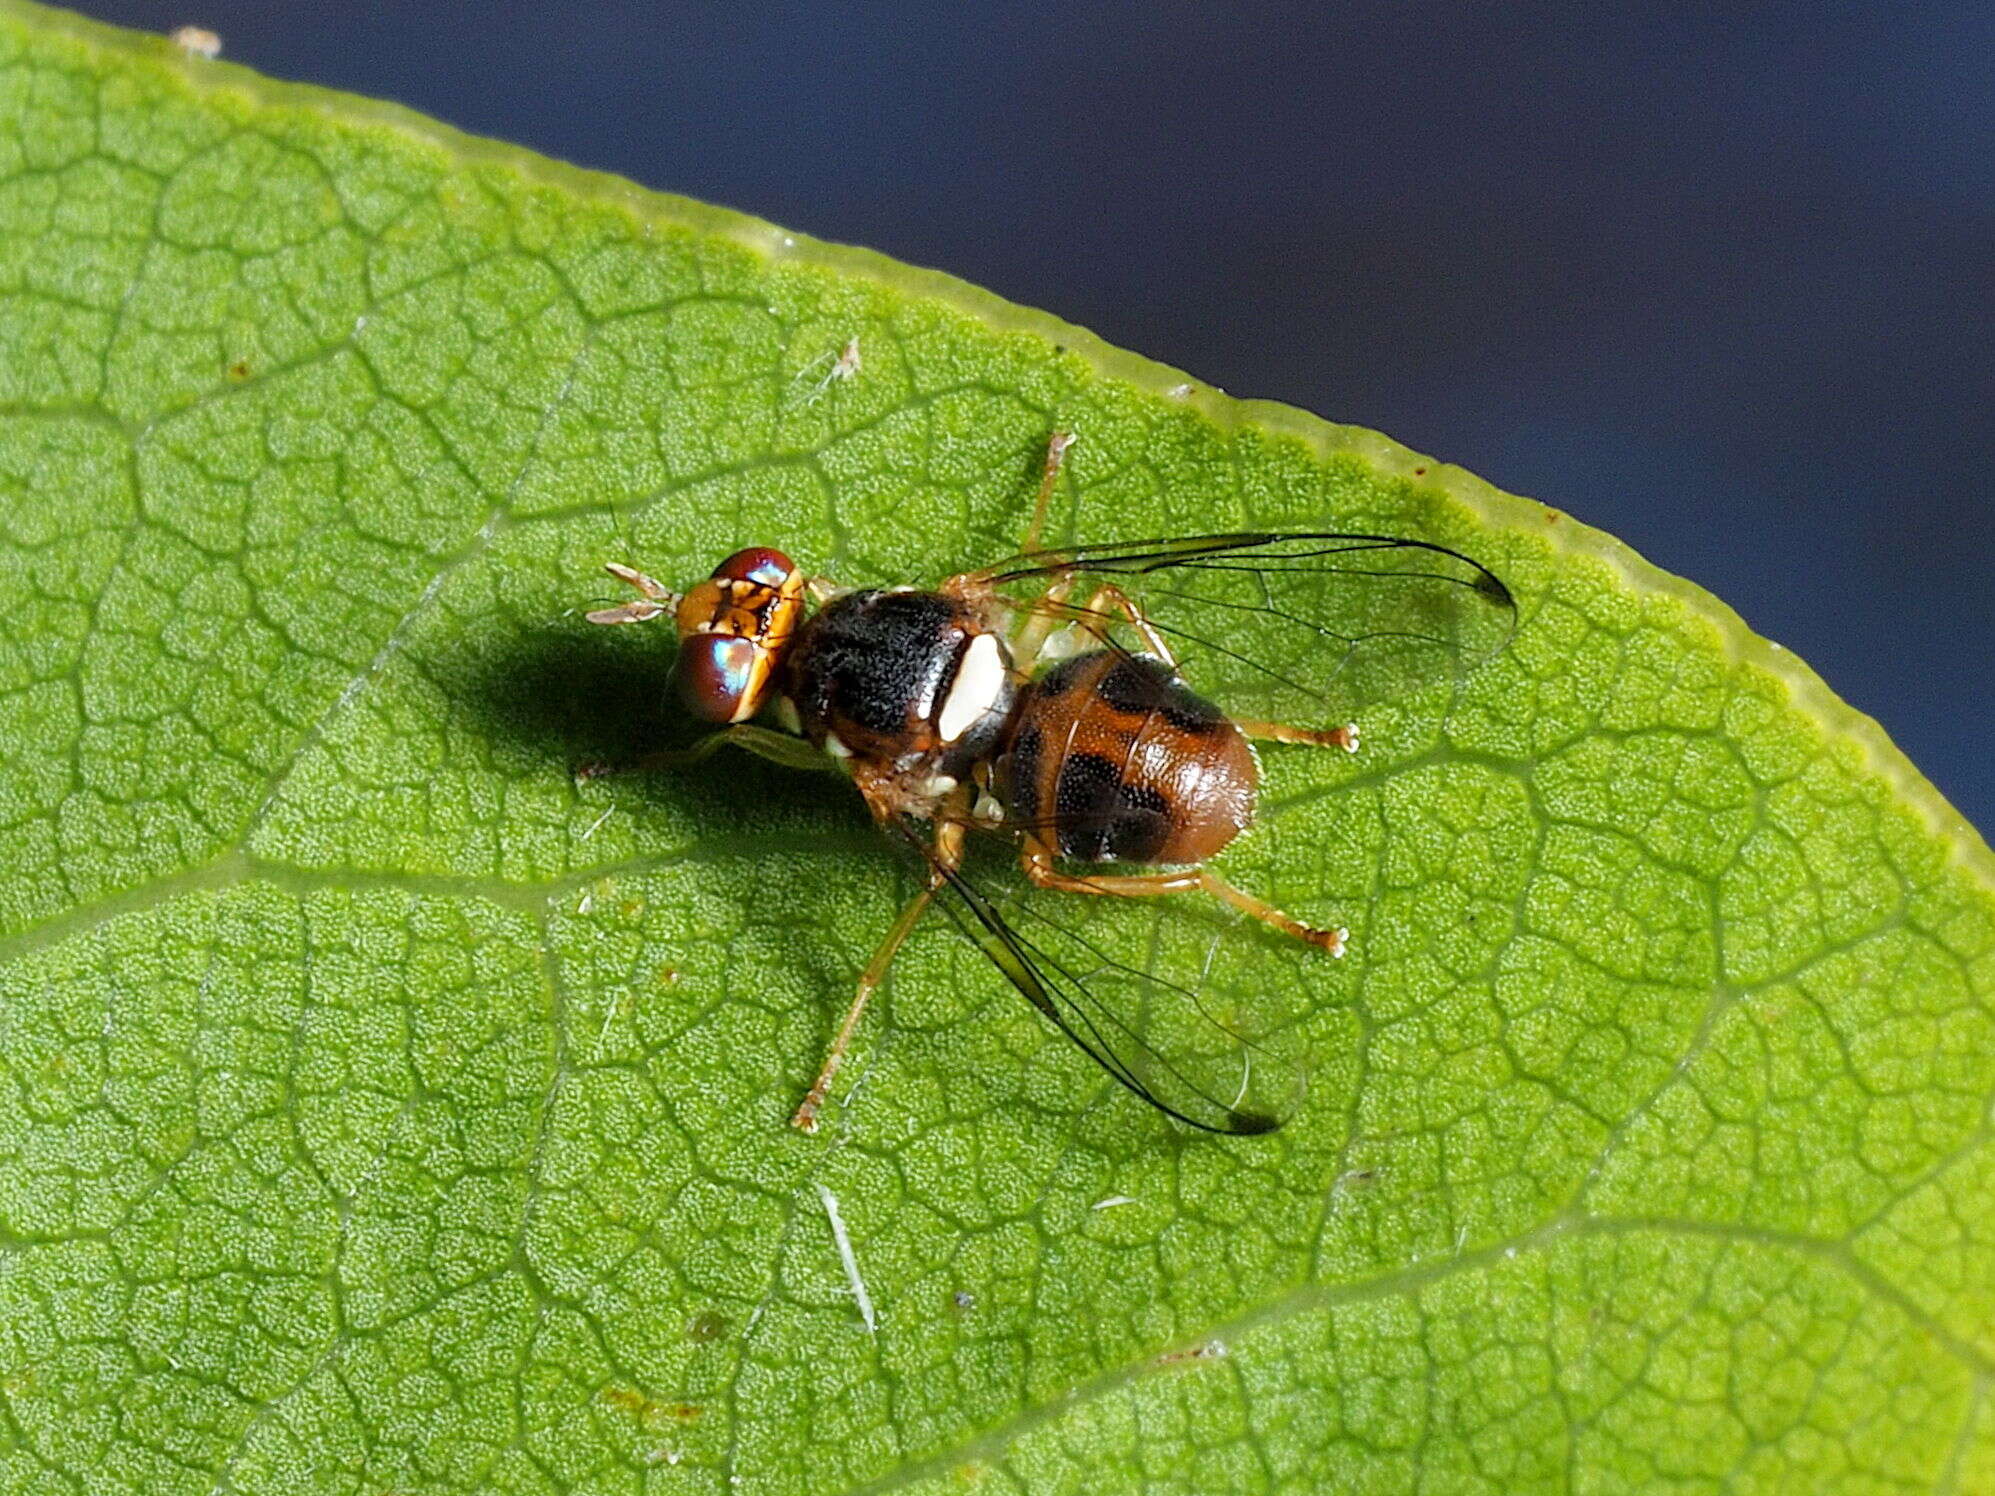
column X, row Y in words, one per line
column 1050, row 698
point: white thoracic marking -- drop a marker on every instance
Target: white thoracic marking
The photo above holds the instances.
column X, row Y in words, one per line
column 979, row 682
column 938, row 785
column 834, row 747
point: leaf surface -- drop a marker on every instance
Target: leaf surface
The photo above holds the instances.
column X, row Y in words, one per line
column 385, row 1111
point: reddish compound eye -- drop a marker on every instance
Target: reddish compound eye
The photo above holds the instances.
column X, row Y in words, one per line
column 756, row 564
column 722, row 678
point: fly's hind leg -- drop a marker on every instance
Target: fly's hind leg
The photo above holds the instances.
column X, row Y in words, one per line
column 948, row 855
column 1109, row 597
column 1345, row 737
column 1039, row 868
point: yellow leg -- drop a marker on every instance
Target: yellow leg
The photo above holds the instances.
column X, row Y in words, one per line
column 875, row 973
column 1039, row 624
column 1345, row 737
column 1053, row 608
column 1108, row 595
column 1056, row 452
column 1038, row 865
column 1108, row 598
column 948, row 855
column 764, row 742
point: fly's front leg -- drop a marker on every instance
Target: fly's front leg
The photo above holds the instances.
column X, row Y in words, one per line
column 763, row 742
column 948, row 855
column 1038, row 865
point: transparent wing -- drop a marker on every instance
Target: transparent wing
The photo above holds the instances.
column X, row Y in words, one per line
column 1174, row 997
column 1308, row 629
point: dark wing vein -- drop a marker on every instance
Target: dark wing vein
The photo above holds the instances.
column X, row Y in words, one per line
column 1310, row 628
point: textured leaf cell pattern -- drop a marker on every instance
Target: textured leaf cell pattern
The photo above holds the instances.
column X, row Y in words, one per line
column 385, row 1112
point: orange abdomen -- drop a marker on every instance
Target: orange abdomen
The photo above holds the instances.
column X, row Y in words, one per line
column 1112, row 758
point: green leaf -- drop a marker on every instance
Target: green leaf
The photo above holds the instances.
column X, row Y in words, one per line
column 385, row 1112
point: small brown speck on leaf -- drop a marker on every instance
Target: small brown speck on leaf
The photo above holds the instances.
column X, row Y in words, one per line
column 708, row 1324
column 647, row 1412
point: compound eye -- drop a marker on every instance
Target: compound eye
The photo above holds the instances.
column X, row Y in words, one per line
column 720, row 678
column 756, row 564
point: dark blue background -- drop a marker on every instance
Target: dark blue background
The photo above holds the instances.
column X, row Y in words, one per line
column 1717, row 278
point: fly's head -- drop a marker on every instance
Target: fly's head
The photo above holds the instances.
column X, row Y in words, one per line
column 733, row 629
